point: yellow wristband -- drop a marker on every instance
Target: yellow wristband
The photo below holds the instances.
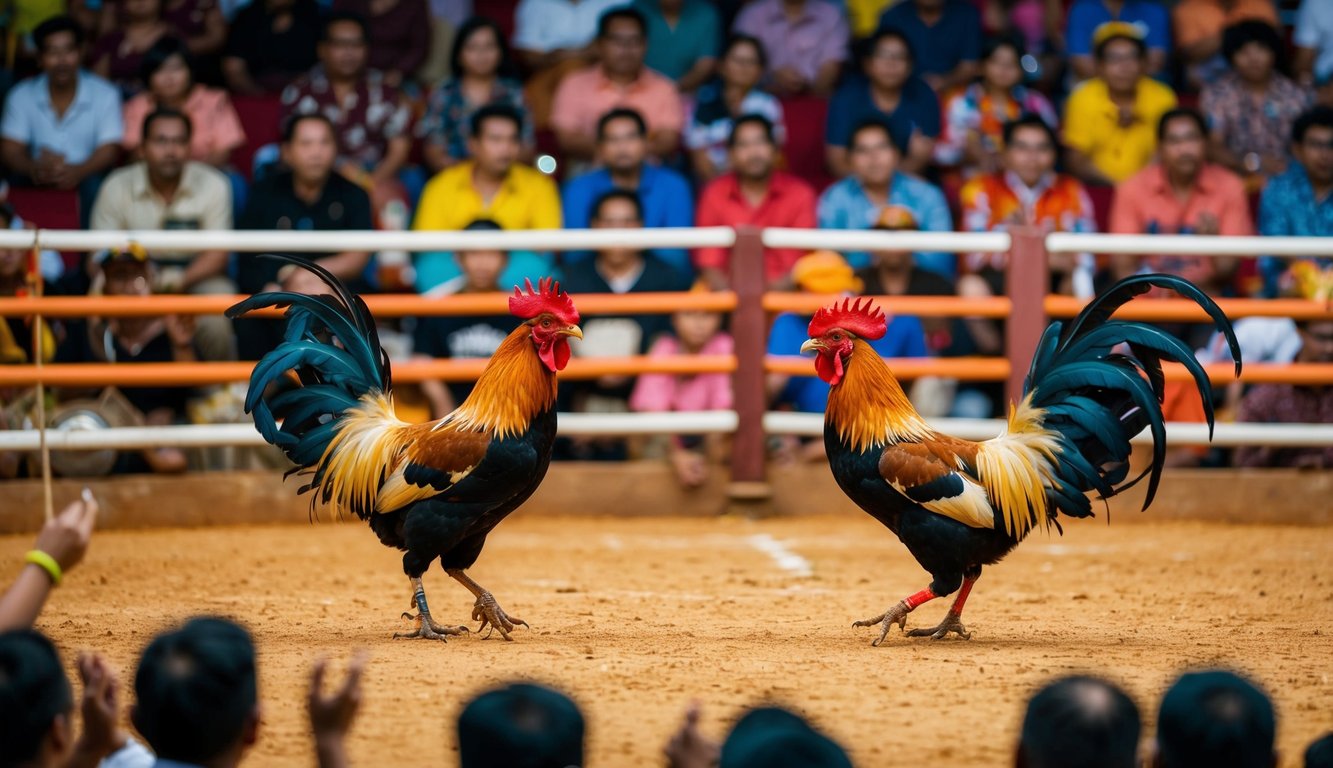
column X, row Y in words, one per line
column 47, row 563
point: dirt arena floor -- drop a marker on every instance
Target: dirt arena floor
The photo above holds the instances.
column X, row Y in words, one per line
column 637, row 617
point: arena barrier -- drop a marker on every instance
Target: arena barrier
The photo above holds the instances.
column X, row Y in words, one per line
column 1027, row 310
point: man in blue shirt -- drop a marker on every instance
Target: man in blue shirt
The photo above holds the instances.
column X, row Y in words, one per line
column 1086, row 15
column 945, row 36
column 874, row 150
column 1300, row 202
column 683, row 36
column 622, row 147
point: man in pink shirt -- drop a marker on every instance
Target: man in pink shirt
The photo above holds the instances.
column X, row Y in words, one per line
column 619, row 80
column 753, row 193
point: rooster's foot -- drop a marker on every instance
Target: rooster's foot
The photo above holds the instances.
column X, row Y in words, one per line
column 493, row 618
column 952, row 623
column 895, row 615
column 427, row 629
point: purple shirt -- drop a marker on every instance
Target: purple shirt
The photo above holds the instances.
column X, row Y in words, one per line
column 819, row 36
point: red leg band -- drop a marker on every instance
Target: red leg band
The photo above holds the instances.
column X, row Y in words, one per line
column 957, row 608
column 923, row 596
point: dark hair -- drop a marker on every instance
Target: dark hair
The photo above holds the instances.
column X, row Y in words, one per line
column 160, row 52
column 495, row 112
column 621, row 113
column 1099, row 52
column 1242, row 33
column 1215, row 718
column 621, row 12
column 1178, row 113
column 752, row 118
column 899, row 131
column 7, row 215
column 1320, row 752
column 750, row 40
column 993, row 44
column 1318, row 116
column 166, row 113
column 542, row 725
column 1029, row 120
column 869, row 45
column 343, row 17
column 290, row 125
column 54, row 26
column 483, row 225
column 196, row 689
column 465, row 31
column 769, row 736
column 616, row 194
column 33, row 691
column 1083, row 720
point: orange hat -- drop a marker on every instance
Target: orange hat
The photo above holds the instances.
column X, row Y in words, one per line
column 825, row 272
column 895, row 217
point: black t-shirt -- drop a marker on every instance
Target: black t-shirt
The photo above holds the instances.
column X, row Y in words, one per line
column 274, row 59
column 77, row 348
column 921, row 282
column 274, row 205
column 461, row 338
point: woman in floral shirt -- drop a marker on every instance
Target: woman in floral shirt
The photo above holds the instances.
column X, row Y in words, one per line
column 481, row 70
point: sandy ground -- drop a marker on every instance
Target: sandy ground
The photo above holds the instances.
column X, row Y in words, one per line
column 636, row 617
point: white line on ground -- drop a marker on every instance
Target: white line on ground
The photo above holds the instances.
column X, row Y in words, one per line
column 784, row 558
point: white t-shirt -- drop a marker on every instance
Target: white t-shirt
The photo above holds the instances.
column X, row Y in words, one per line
column 550, row 25
column 1314, row 29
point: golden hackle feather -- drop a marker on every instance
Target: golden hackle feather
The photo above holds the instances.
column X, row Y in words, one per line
column 367, row 446
column 869, row 407
column 1017, row 466
column 514, row 387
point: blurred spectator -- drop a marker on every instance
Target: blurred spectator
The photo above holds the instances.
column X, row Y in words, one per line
column 1027, row 191
column 397, row 35
column 167, row 190
column 1300, row 201
column 1252, row 107
column 118, row 54
column 307, row 196
column 1079, row 719
column 370, row 115
column 720, row 102
column 1111, row 120
column 864, row 15
column 1313, row 38
column 540, row 725
column 1292, row 404
column 890, row 90
column 944, row 35
column 491, row 185
column 1040, row 24
column 619, row 79
column 875, row 182
column 806, row 42
column 1199, row 27
column 16, row 342
column 199, row 23
column 1320, row 752
column 64, row 539
column 1215, row 718
column 622, row 149
column 272, row 42
column 168, row 72
column 1087, row 17
column 682, row 39
column 975, row 116
column 893, row 272
column 553, row 38
column 693, row 332
column 62, row 128
column 481, row 74
column 753, row 194
column 763, row 737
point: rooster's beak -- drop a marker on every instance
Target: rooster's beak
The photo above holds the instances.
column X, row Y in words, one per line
column 574, row 331
column 811, row 345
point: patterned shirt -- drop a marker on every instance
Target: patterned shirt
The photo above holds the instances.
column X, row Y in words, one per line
column 1286, row 404
column 366, row 121
column 1288, row 206
column 447, row 122
column 972, row 110
column 1263, row 127
column 819, row 36
column 708, row 125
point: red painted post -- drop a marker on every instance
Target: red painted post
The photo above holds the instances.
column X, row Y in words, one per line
column 1027, row 283
column 748, row 329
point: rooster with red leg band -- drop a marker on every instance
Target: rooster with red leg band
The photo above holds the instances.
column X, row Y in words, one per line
column 959, row 505
column 432, row 490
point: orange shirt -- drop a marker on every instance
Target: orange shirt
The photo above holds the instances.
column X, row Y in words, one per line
column 586, row 95
column 1196, row 20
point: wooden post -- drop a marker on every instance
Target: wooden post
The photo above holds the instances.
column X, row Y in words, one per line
column 1027, row 283
column 748, row 328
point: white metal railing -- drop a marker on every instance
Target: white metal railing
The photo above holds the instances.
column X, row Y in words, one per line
column 875, row 239
column 1189, row 245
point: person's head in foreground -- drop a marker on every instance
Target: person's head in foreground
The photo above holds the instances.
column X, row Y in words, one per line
column 196, row 696
column 520, row 726
column 768, row 736
column 1215, row 719
column 36, row 702
column 1079, row 721
column 1320, row 752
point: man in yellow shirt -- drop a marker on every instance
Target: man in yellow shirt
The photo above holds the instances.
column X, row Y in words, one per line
column 492, row 185
column 1111, row 120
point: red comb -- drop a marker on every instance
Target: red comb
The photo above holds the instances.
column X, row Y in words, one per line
column 547, row 298
column 860, row 317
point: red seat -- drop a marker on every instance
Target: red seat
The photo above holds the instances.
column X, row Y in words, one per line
column 804, row 117
column 1101, row 196
column 261, row 118
column 501, row 12
column 46, row 208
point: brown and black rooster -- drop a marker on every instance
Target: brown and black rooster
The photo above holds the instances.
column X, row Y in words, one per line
column 433, row 490
column 960, row 505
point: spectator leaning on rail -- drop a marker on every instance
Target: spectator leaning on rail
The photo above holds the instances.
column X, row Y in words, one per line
column 1079, row 721
column 875, row 149
column 806, row 41
column 1300, row 202
column 717, row 106
column 622, row 151
column 682, row 39
column 1215, row 718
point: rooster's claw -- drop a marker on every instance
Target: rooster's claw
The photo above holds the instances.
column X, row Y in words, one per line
column 951, row 623
column 895, row 615
column 493, row 617
column 428, row 629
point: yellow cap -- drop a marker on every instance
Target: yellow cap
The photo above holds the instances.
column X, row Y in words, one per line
column 1110, row 29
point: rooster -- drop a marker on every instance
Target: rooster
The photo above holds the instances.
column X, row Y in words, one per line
column 960, row 505
column 432, row 490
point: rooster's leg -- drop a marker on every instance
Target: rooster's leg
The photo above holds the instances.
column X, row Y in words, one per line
column 486, row 610
column 426, row 627
column 897, row 614
column 953, row 620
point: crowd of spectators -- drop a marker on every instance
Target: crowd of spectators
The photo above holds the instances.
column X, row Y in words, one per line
column 1125, row 116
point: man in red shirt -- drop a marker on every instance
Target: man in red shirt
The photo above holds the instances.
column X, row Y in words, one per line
column 753, row 193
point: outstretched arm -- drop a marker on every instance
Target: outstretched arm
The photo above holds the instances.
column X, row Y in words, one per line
column 62, row 543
